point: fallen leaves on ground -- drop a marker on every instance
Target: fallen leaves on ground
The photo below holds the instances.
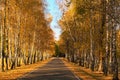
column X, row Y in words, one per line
column 21, row 71
column 86, row 74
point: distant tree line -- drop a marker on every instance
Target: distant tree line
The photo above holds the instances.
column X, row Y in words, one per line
column 58, row 52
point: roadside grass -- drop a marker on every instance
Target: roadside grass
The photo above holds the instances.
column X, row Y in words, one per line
column 86, row 74
column 21, row 71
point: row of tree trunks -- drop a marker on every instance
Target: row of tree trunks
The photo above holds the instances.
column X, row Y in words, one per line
column 22, row 33
column 91, row 26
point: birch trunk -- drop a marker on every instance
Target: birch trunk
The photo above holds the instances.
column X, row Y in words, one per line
column 114, row 58
column 91, row 41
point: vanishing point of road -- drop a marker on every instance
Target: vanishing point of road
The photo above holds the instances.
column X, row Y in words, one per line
column 53, row 70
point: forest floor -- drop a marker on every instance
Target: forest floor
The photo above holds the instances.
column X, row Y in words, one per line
column 20, row 71
column 87, row 74
column 81, row 72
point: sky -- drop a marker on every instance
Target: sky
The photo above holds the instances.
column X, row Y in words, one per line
column 53, row 9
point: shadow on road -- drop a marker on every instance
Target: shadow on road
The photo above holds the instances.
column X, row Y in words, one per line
column 53, row 70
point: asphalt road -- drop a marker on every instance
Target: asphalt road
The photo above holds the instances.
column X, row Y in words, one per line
column 53, row 70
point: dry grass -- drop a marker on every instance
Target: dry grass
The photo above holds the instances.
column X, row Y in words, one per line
column 20, row 71
column 86, row 74
column 83, row 73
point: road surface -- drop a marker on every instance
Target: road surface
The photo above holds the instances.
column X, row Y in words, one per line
column 53, row 70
